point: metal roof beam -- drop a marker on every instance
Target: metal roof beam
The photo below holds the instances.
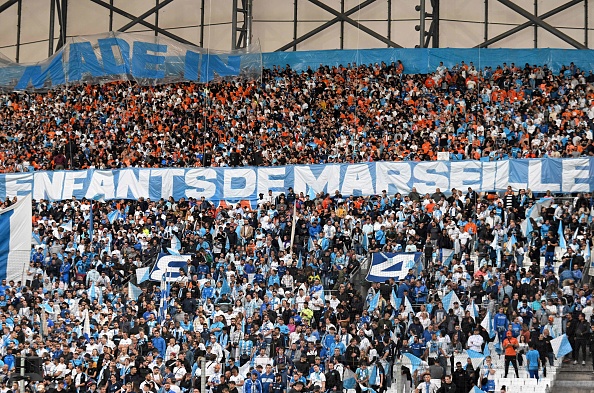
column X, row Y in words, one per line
column 323, row 27
column 541, row 23
column 523, row 26
column 142, row 22
column 7, row 5
column 359, row 26
column 144, row 16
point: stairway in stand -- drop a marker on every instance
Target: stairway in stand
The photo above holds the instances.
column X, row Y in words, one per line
column 574, row 378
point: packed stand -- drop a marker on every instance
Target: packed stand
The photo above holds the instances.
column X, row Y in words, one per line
column 271, row 320
column 352, row 113
column 268, row 318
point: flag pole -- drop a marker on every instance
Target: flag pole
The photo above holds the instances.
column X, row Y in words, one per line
column 294, row 225
column 91, row 223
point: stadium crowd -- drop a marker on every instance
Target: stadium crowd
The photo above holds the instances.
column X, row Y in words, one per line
column 268, row 318
column 347, row 113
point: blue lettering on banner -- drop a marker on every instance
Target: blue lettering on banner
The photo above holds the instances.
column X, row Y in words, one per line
column 110, row 64
column 123, row 56
column 150, row 60
column 53, row 74
column 238, row 184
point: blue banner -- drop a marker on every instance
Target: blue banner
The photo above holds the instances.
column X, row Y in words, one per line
column 426, row 60
column 246, row 183
column 151, row 60
column 116, row 56
column 386, row 265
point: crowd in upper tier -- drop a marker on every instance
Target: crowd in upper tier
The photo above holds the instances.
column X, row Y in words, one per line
column 350, row 113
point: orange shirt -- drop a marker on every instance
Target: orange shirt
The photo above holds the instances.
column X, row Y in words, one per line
column 510, row 350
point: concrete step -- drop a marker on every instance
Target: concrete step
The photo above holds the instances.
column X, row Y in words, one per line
column 574, row 378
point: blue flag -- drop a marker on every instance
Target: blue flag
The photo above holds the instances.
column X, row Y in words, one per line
column 113, row 215
column 91, row 223
column 300, row 261
column 498, row 348
column 449, row 300
column 415, row 362
column 473, row 309
column 310, row 244
column 348, row 379
column 143, row 274
column 374, row 303
column 534, row 213
column 395, row 301
column 476, row 358
column 510, row 243
column 487, row 323
column 36, row 240
column 133, row 291
column 93, row 292
column 165, row 288
column 561, row 346
column 225, row 288
column 447, row 254
column 175, row 245
column 562, row 242
column 365, row 243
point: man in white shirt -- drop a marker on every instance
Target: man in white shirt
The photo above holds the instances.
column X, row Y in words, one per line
column 317, row 378
column 262, row 359
column 426, row 386
column 179, row 370
column 475, row 342
column 216, row 348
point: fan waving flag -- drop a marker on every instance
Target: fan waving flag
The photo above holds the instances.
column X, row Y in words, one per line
column 133, row 291
column 511, row 242
column 561, row 346
column 407, row 306
column 447, row 254
column 113, row 215
column 415, row 362
column 67, row 226
column 473, row 308
column 348, row 379
column 475, row 357
column 487, row 323
column 15, row 238
column 175, row 245
column 562, row 242
column 225, row 288
column 449, row 300
column 365, row 242
column 310, row 244
column 385, row 265
column 374, row 302
column 534, row 213
column 394, row 300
